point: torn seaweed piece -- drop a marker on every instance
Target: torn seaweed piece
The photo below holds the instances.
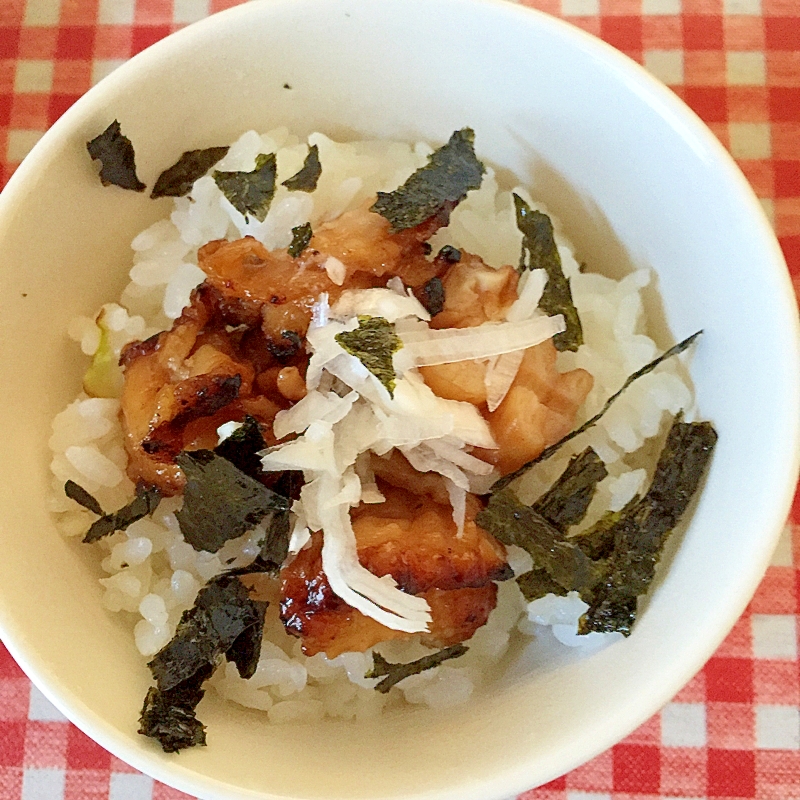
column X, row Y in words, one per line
column 170, row 716
column 301, row 236
column 549, row 451
column 178, row 180
column 306, row 179
column 220, row 502
column 450, row 173
column 564, row 504
column 394, row 673
column 539, row 251
column 514, row 523
column 77, row 493
column 117, row 159
column 241, row 448
column 373, row 343
column 537, row 583
column 222, row 612
column 431, row 295
column 250, row 193
column 245, row 651
column 144, row 502
column 644, row 526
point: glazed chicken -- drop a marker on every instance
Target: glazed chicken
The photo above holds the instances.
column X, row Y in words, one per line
column 238, row 350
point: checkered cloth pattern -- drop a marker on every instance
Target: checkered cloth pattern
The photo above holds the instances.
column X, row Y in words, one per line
column 734, row 732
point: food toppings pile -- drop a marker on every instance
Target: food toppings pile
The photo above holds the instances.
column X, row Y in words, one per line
column 367, row 404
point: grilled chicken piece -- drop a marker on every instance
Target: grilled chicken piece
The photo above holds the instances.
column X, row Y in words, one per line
column 283, row 288
column 180, row 386
column 326, row 624
column 415, row 541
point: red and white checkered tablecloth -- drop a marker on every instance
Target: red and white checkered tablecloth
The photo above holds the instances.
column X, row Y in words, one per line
column 734, row 732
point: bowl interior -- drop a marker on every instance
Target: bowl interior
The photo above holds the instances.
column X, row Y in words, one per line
column 638, row 182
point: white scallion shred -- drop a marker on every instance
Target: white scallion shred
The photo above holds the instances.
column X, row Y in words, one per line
column 500, row 375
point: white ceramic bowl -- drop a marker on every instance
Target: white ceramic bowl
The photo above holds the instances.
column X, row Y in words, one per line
column 637, row 179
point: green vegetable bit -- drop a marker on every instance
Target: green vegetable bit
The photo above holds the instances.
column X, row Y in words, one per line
column 373, row 343
column 117, row 159
column 394, row 673
column 250, row 193
column 177, row 181
column 306, row 179
column 438, row 187
column 644, row 526
column 554, row 448
column 220, row 502
column 301, row 236
column 539, row 251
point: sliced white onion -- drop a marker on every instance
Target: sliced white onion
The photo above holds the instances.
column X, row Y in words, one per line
column 500, row 375
column 449, row 345
column 530, row 288
column 328, row 407
column 384, row 303
column 458, row 500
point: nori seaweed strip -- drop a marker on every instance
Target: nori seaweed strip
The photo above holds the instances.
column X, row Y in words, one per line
column 115, row 153
column 144, row 502
column 539, row 251
column 564, row 504
column 177, row 180
column 514, row 523
column 549, row 451
column 397, row 672
column 220, row 502
column 537, row 583
column 450, row 173
column 373, row 342
column 306, row 179
column 246, row 649
column 250, row 192
column 77, row 493
column 170, row 716
column 301, row 236
column 640, row 533
column 222, row 612
column 241, row 448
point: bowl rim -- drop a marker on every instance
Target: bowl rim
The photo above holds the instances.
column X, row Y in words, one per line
column 664, row 103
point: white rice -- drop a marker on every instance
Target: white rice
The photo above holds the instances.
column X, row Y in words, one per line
column 153, row 574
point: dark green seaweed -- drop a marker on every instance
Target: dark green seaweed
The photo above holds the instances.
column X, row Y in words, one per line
column 222, row 612
column 177, row 180
column 301, row 236
column 373, row 343
column 564, row 504
column 250, row 193
column 394, row 673
column 514, row 523
column 641, row 531
column 117, row 159
column 242, row 447
column 169, row 717
column 549, row 451
column 306, row 179
column 539, row 251
column 436, row 188
column 220, row 502
column 145, row 502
